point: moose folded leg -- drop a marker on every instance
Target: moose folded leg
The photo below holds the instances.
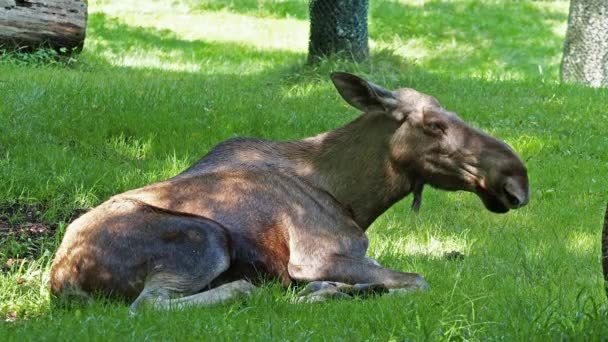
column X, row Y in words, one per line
column 220, row 294
column 366, row 277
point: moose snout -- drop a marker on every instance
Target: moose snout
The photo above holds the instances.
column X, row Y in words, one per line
column 515, row 191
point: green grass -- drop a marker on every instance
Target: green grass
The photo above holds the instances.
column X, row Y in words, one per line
column 160, row 82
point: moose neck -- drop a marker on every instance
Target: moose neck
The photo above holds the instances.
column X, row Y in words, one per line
column 352, row 163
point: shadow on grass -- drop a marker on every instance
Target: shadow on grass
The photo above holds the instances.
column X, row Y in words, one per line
column 474, row 36
column 465, row 37
column 147, row 48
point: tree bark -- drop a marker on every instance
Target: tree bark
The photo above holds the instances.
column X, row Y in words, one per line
column 338, row 27
column 585, row 58
column 27, row 25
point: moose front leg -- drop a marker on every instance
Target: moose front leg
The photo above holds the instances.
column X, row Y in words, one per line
column 332, row 274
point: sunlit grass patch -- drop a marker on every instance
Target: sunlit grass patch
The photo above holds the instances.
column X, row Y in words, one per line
column 123, row 43
column 25, row 292
column 580, row 242
column 264, row 9
column 157, row 24
column 414, row 245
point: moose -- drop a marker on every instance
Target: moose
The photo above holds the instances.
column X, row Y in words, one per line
column 296, row 211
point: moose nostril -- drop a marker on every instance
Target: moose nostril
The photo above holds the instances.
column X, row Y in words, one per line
column 513, row 200
column 511, row 195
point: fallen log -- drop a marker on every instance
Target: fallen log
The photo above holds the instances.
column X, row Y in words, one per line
column 28, row 25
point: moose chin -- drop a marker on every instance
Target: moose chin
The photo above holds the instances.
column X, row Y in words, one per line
column 291, row 210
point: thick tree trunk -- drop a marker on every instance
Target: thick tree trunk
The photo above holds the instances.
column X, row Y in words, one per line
column 338, row 27
column 585, row 57
column 27, row 25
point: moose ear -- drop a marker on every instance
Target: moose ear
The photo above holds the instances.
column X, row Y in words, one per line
column 363, row 95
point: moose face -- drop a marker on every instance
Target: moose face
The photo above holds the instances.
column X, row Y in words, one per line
column 437, row 148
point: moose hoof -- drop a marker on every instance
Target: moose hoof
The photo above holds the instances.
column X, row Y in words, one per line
column 318, row 291
column 322, row 296
column 243, row 287
column 420, row 285
column 315, row 286
column 365, row 290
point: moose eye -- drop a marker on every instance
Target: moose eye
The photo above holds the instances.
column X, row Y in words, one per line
column 435, row 128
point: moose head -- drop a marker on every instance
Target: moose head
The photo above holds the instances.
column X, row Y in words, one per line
column 438, row 148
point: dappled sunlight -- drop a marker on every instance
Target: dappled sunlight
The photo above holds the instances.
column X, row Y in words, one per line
column 144, row 7
column 414, row 245
column 527, row 145
column 262, row 9
column 469, row 38
column 583, row 243
column 558, row 27
column 32, row 288
column 417, row 3
column 122, row 44
column 414, row 49
column 129, row 147
column 85, row 197
column 169, row 166
column 152, row 60
column 460, row 46
column 288, row 34
column 159, row 169
column 265, row 34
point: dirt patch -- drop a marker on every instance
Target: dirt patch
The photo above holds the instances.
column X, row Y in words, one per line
column 23, row 231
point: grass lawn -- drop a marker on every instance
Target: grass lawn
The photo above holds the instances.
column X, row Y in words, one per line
column 161, row 82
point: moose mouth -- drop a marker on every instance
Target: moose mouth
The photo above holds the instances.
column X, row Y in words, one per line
column 492, row 202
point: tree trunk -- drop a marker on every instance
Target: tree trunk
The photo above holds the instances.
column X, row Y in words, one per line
column 338, row 27
column 605, row 250
column 27, row 25
column 585, row 57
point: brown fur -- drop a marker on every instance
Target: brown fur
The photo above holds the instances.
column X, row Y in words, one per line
column 293, row 210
